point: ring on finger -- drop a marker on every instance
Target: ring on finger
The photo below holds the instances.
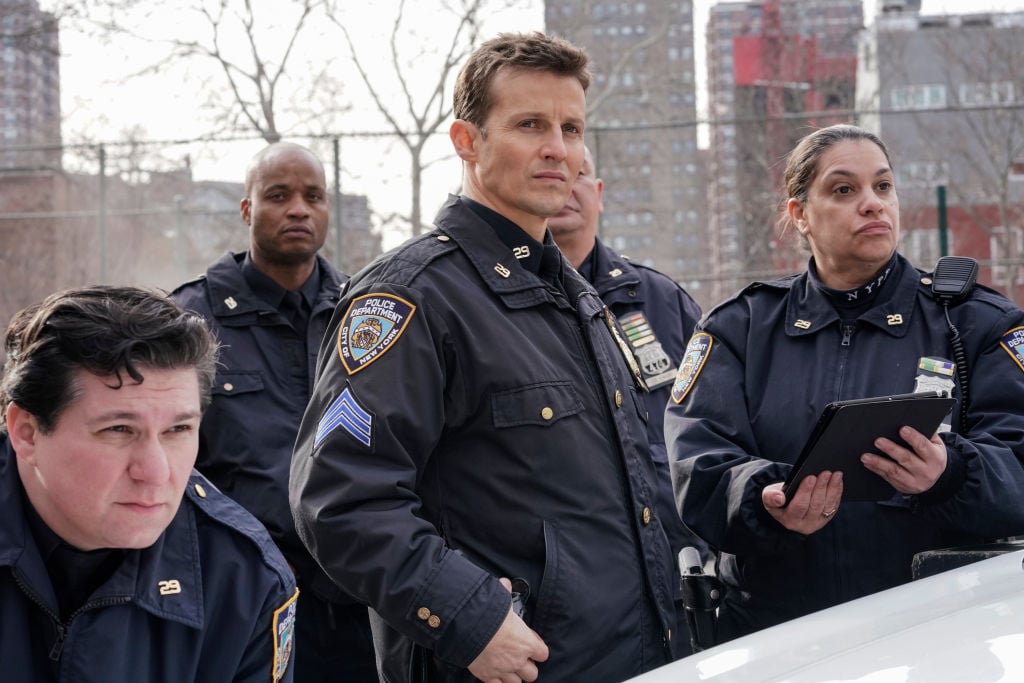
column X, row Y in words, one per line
column 828, row 514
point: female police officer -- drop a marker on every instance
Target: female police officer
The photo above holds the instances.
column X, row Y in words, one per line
column 861, row 321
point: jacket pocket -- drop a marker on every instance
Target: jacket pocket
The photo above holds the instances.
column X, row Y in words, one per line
column 233, row 383
column 548, row 592
column 539, row 404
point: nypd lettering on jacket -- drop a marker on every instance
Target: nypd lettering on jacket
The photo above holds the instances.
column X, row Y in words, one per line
column 372, row 324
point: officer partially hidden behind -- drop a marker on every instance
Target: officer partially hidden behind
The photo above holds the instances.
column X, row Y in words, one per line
column 269, row 306
column 658, row 317
column 118, row 561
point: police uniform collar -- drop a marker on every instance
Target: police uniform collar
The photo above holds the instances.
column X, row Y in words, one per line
column 266, row 288
column 808, row 309
column 855, row 299
column 74, row 573
column 611, row 271
column 166, row 579
column 231, row 294
column 527, row 250
column 490, row 256
column 17, row 546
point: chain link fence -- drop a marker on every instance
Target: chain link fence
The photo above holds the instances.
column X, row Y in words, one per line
column 157, row 214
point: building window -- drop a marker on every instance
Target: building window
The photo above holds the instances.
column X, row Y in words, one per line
column 922, row 174
column 926, row 96
column 984, row 94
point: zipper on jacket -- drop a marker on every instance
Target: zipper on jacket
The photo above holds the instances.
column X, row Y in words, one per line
column 848, row 330
column 58, row 645
column 62, row 628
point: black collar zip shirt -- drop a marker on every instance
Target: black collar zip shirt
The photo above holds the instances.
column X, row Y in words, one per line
column 296, row 305
column 543, row 260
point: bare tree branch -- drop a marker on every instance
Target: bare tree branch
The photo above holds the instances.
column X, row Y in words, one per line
column 416, row 117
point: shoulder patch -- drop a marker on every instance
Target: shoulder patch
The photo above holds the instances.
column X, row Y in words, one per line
column 1013, row 343
column 284, row 636
column 372, row 324
column 693, row 362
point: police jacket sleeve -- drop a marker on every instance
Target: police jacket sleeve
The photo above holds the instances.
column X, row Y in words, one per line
column 271, row 645
column 981, row 490
column 376, row 415
column 717, row 470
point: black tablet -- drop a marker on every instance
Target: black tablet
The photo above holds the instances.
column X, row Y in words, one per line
column 848, row 429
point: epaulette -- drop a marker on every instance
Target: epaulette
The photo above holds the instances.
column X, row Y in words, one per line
column 216, row 506
column 781, row 284
column 411, row 258
column 194, row 281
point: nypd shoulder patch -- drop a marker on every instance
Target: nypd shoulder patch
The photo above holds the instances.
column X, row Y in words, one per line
column 1013, row 343
column 345, row 412
column 693, row 362
column 284, row 637
column 372, row 324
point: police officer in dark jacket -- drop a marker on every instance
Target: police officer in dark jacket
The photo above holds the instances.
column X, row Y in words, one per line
column 860, row 322
column 118, row 561
column 269, row 307
column 474, row 461
column 657, row 315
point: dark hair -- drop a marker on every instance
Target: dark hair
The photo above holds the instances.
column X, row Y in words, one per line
column 109, row 331
column 534, row 51
column 802, row 163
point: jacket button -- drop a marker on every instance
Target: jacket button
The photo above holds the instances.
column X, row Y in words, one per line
column 547, row 413
column 228, row 386
column 200, row 491
column 618, row 398
column 434, row 621
column 423, row 613
column 646, row 515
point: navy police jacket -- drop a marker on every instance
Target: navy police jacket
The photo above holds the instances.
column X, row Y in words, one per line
column 211, row 600
column 658, row 317
column 470, row 422
column 248, row 432
column 757, row 374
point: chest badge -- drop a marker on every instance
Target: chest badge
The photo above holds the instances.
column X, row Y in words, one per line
column 654, row 362
column 169, row 587
column 936, row 374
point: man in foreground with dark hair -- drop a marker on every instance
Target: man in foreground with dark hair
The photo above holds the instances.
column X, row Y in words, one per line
column 118, row 561
column 474, row 463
